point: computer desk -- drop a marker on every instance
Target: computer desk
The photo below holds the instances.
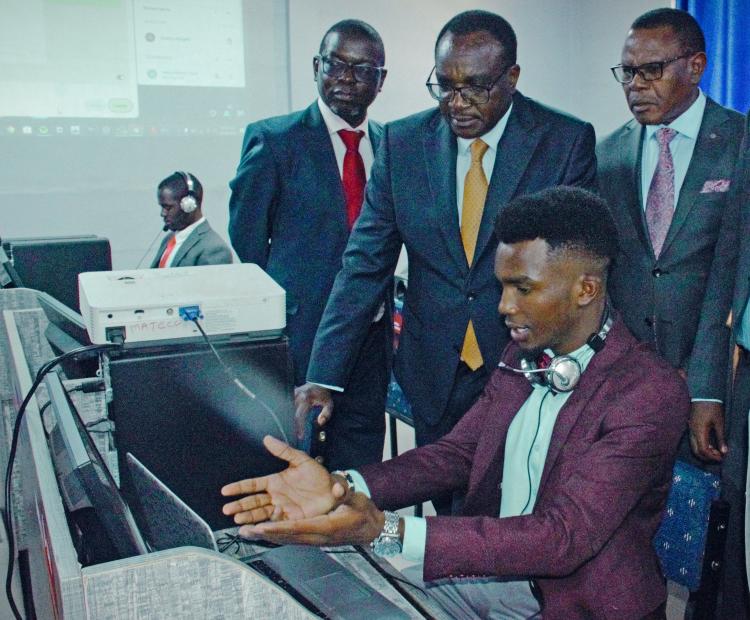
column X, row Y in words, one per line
column 186, row 582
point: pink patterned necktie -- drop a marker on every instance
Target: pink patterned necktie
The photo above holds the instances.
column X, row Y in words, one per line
column 660, row 201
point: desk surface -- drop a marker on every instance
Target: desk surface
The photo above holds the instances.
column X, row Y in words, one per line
column 373, row 570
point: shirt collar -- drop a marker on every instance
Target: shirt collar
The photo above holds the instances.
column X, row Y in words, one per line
column 491, row 138
column 181, row 235
column 688, row 123
column 335, row 123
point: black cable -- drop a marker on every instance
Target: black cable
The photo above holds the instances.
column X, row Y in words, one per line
column 236, row 380
column 8, row 514
column 531, row 448
column 394, row 583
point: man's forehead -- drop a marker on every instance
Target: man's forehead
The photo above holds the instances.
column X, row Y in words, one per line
column 467, row 48
column 351, row 47
column 651, row 44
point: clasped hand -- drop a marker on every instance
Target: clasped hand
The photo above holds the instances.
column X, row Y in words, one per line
column 303, row 504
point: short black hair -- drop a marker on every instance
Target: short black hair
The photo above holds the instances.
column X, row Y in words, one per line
column 566, row 218
column 178, row 184
column 355, row 28
column 682, row 23
column 498, row 27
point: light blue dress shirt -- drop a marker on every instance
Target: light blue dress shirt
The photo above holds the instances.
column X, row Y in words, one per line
column 687, row 125
column 463, row 157
column 526, row 448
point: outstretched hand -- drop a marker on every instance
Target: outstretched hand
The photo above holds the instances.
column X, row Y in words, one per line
column 356, row 522
column 303, row 490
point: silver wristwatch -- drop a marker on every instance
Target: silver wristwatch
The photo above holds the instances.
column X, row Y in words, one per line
column 388, row 543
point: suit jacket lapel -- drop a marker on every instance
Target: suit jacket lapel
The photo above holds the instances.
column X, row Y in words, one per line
column 440, row 159
column 375, row 133
column 514, row 151
column 631, row 157
column 162, row 246
column 189, row 243
column 595, row 374
column 490, row 453
column 323, row 166
column 711, row 142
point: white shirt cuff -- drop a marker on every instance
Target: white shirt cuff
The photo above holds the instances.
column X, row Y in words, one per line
column 415, row 528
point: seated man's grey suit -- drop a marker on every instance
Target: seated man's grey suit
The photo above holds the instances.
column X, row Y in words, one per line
column 202, row 247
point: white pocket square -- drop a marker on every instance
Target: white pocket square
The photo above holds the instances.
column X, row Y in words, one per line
column 718, row 185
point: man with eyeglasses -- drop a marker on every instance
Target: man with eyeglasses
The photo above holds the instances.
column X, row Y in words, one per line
column 666, row 175
column 296, row 196
column 439, row 180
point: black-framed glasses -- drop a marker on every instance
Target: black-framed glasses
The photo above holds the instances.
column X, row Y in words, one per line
column 338, row 69
column 650, row 71
column 473, row 95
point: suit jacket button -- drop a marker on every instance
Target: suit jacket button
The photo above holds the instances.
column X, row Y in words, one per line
column 656, row 272
column 648, row 321
column 471, row 296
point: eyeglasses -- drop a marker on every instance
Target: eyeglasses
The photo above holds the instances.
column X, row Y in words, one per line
column 650, row 71
column 473, row 95
column 338, row 69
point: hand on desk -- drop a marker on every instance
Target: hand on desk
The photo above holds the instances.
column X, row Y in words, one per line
column 707, row 416
column 305, row 398
column 304, row 489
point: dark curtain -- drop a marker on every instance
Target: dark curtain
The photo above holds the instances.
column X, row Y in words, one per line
column 726, row 24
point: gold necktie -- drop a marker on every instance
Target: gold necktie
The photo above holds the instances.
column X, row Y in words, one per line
column 475, row 193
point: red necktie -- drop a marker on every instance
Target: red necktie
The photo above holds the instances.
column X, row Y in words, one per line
column 167, row 251
column 543, row 361
column 353, row 177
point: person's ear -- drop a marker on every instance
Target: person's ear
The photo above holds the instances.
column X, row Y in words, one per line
column 696, row 66
column 589, row 288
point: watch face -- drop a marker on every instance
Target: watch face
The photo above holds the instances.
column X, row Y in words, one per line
column 386, row 546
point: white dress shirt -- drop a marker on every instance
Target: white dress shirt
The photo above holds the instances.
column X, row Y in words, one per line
column 179, row 238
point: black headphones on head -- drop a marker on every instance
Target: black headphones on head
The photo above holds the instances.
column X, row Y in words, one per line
column 563, row 372
column 189, row 201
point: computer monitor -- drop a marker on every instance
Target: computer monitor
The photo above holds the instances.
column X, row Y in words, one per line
column 66, row 332
column 52, row 264
column 9, row 277
column 102, row 523
column 176, row 410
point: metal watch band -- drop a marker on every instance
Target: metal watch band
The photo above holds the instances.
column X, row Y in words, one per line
column 390, row 527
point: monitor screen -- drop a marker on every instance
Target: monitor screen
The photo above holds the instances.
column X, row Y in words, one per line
column 103, row 525
column 52, row 264
column 176, row 410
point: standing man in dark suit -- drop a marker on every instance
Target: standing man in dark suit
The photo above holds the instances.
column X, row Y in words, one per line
column 192, row 241
column 726, row 441
column 439, row 180
column 666, row 175
column 298, row 191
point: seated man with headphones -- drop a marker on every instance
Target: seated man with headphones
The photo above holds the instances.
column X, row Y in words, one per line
column 191, row 241
column 565, row 459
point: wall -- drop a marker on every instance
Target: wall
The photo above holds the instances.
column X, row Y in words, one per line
column 565, row 50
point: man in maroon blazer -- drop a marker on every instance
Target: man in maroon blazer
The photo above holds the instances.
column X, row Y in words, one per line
column 566, row 464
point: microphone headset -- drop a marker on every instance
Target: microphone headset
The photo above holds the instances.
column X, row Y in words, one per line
column 189, row 201
column 564, row 371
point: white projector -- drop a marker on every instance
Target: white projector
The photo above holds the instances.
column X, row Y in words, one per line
column 158, row 304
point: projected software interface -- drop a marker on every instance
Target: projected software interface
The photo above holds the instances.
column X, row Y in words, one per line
column 138, row 67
